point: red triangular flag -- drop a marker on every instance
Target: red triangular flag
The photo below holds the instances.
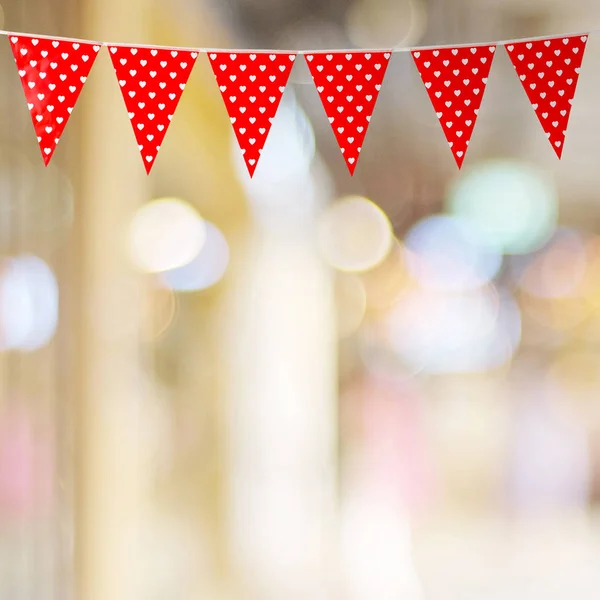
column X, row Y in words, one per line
column 549, row 70
column 252, row 84
column 348, row 84
column 152, row 81
column 52, row 73
column 455, row 79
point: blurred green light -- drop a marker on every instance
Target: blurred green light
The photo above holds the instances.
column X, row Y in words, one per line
column 513, row 206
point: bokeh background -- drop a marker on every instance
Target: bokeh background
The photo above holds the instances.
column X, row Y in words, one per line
column 303, row 385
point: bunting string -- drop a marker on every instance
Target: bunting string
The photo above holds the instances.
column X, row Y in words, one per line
column 152, row 79
column 394, row 49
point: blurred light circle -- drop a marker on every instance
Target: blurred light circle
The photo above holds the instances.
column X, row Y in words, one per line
column 354, row 234
column 159, row 312
column 556, row 314
column 455, row 333
column 513, row 206
column 29, row 302
column 165, row 234
column 351, row 304
column 385, row 283
column 373, row 24
column 378, row 353
column 443, row 252
column 576, row 371
column 591, row 283
column 206, row 269
column 557, row 270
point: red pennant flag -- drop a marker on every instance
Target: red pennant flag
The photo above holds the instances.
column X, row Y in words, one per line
column 53, row 73
column 549, row 70
column 455, row 79
column 152, row 81
column 348, row 84
column 252, row 85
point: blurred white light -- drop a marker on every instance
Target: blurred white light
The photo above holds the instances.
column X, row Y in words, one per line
column 376, row 548
column 206, row 269
column 165, row 234
column 28, row 303
column 355, row 234
column 513, row 206
column 455, row 333
column 444, row 253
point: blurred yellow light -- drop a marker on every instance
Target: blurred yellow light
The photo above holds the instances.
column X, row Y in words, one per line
column 590, row 287
column 351, row 304
column 577, row 374
column 355, row 234
column 559, row 270
column 557, row 314
column 385, row 283
column 160, row 312
column 386, row 22
column 165, row 234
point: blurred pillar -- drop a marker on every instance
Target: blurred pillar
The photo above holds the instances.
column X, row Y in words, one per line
column 109, row 484
column 282, row 420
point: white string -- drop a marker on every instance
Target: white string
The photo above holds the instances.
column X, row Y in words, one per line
column 393, row 49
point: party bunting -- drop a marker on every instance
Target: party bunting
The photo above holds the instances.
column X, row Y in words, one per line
column 348, row 85
column 152, row 81
column 549, row 70
column 455, row 79
column 252, row 84
column 53, row 73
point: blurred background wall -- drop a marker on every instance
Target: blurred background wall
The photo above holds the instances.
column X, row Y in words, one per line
column 303, row 385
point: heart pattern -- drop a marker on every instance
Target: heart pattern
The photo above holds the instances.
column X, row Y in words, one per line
column 549, row 70
column 349, row 84
column 252, row 85
column 152, row 81
column 53, row 73
column 455, row 79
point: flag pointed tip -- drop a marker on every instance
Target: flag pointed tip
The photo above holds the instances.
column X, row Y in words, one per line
column 558, row 151
column 459, row 161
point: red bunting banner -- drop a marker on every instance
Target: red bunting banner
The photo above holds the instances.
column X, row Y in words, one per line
column 152, row 81
column 252, row 84
column 348, row 84
column 53, row 73
column 455, row 79
column 549, row 70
